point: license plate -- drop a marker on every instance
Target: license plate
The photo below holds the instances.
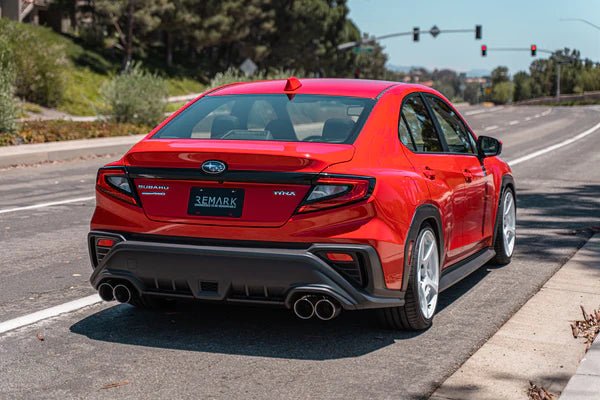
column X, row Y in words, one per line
column 216, row 202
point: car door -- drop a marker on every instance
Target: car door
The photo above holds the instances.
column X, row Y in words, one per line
column 473, row 190
column 418, row 132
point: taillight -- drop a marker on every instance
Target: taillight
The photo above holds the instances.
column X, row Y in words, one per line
column 114, row 182
column 331, row 191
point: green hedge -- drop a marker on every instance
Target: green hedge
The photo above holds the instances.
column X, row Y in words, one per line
column 59, row 130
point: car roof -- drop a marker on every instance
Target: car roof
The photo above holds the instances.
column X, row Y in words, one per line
column 318, row 86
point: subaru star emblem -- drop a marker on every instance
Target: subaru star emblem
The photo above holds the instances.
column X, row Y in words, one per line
column 214, row 167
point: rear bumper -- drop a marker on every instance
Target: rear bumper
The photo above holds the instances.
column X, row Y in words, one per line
column 234, row 273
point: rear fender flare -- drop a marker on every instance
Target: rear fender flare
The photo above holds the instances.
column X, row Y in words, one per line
column 507, row 180
column 424, row 212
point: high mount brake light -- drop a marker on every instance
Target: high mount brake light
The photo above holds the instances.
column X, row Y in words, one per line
column 115, row 183
column 330, row 192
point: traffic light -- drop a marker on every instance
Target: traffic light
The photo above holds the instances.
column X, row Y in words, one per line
column 416, row 34
column 477, row 32
column 483, row 50
column 533, row 50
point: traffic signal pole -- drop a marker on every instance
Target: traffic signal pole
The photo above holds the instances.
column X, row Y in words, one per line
column 533, row 49
column 434, row 32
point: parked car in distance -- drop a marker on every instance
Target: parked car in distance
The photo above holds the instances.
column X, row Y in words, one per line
column 318, row 195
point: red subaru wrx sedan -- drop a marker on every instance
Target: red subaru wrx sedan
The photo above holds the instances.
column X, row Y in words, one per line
column 316, row 194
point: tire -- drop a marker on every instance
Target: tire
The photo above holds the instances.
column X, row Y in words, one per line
column 502, row 244
column 411, row 316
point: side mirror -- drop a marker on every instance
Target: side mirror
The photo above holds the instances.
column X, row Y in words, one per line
column 488, row 146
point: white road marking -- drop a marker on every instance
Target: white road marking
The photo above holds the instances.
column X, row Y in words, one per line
column 491, row 128
column 536, row 116
column 554, row 146
column 483, row 110
column 42, row 205
column 513, row 122
column 48, row 313
column 527, row 118
column 546, row 112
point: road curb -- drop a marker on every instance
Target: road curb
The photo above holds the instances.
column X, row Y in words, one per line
column 61, row 151
column 536, row 344
column 585, row 384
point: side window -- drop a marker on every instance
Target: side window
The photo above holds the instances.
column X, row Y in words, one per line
column 420, row 126
column 405, row 136
column 457, row 137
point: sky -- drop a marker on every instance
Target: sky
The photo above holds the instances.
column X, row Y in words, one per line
column 506, row 23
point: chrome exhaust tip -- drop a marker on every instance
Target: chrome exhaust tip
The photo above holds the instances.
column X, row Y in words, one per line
column 326, row 309
column 105, row 290
column 122, row 293
column 304, row 307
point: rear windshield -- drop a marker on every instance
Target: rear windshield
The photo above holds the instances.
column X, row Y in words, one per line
column 306, row 118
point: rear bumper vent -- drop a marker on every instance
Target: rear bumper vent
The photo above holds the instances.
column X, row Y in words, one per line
column 101, row 244
column 353, row 271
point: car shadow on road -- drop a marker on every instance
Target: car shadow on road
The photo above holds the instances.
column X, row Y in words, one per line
column 240, row 330
column 554, row 221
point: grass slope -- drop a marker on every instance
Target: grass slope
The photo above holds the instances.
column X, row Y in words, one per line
column 87, row 70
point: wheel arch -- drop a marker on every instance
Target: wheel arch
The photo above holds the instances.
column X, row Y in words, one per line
column 507, row 182
column 423, row 213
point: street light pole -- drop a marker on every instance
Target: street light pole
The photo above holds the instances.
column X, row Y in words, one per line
column 557, row 81
column 585, row 21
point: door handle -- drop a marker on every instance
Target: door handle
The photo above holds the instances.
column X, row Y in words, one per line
column 429, row 173
column 468, row 175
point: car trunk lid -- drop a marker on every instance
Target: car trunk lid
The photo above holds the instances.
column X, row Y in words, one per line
column 263, row 185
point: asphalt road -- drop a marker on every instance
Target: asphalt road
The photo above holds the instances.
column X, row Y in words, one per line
column 108, row 351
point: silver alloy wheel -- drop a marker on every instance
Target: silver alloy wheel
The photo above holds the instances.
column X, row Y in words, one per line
column 428, row 272
column 509, row 223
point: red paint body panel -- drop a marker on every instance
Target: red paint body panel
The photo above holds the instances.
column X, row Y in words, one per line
column 238, row 155
column 172, row 205
column 467, row 209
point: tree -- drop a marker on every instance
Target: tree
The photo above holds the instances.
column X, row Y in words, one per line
column 499, row 75
column 129, row 19
column 523, row 86
column 472, row 93
column 502, row 93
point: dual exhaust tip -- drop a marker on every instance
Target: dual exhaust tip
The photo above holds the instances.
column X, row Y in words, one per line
column 322, row 307
column 119, row 292
column 305, row 307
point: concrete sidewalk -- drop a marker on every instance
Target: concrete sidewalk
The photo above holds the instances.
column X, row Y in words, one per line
column 66, row 150
column 536, row 344
column 585, row 384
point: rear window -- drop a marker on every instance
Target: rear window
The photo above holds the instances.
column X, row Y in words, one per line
column 274, row 117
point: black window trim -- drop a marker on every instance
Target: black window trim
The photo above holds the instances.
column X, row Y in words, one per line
column 437, row 131
column 439, row 127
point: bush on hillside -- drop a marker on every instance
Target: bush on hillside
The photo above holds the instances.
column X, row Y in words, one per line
column 38, row 61
column 135, row 96
column 8, row 102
